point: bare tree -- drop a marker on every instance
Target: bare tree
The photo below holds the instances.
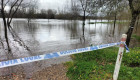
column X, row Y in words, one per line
column 50, row 14
column 84, row 4
column 43, row 13
column 135, row 11
column 31, row 8
column 75, row 10
column 7, row 19
column 112, row 8
column 89, row 7
column 13, row 4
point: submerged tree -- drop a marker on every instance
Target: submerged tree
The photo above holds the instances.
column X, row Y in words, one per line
column 84, row 5
column 112, row 8
column 51, row 14
column 74, row 9
column 7, row 16
column 14, row 4
column 89, row 7
column 121, row 5
column 31, row 8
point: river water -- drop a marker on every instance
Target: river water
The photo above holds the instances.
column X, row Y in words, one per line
column 57, row 35
column 43, row 36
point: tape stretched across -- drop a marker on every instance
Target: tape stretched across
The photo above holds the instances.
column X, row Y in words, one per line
column 53, row 55
column 127, row 49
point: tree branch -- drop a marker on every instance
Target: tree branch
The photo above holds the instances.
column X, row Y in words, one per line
column 82, row 4
column 6, row 3
column 15, row 12
column 86, row 5
column 11, row 9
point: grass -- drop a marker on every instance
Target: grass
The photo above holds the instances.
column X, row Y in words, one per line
column 136, row 37
column 99, row 65
column 118, row 22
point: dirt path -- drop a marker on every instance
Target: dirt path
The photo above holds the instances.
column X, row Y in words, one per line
column 54, row 72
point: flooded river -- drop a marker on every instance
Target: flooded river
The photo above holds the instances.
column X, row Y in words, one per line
column 43, row 36
column 58, row 35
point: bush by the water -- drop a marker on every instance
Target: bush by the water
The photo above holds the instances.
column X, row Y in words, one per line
column 99, row 65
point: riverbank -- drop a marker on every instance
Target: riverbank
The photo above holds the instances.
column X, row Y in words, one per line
column 99, row 65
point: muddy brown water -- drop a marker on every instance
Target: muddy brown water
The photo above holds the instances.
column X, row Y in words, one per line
column 59, row 35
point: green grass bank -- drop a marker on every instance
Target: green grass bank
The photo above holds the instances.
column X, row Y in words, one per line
column 99, row 65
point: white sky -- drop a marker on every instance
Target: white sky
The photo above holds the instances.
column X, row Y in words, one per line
column 52, row 4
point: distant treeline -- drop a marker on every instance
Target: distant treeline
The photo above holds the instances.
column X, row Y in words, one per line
column 48, row 14
column 54, row 15
column 33, row 13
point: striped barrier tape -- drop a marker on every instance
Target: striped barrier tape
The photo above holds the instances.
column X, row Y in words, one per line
column 127, row 49
column 54, row 55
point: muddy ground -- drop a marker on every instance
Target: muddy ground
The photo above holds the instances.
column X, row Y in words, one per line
column 54, row 72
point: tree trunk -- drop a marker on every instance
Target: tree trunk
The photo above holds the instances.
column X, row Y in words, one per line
column 83, row 27
column 84, row 17
column 115, row 23
column 95, row 22
column 5, row 30
column 101, row 19
column 83, row 32
column 130, row 30
column 137, row 23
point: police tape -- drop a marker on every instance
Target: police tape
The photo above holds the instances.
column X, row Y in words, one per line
column 127, row 49
column 54, row 55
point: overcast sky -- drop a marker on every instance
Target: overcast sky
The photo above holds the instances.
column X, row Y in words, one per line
column 52, row 4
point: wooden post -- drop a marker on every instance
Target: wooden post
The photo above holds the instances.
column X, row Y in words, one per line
column 119, row 57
